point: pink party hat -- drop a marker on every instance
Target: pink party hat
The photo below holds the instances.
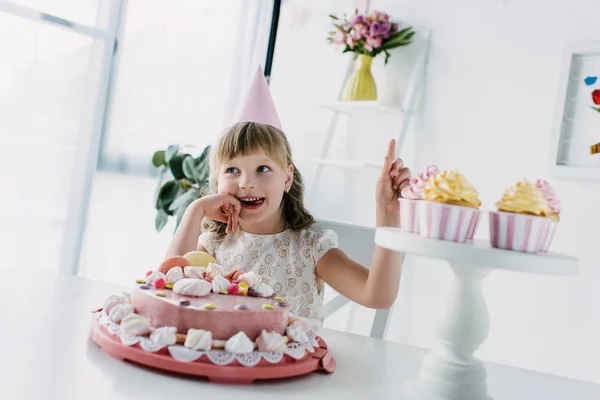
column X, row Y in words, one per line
column 258, row 105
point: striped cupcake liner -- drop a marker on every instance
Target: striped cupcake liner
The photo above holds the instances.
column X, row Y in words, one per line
column 473, row 226
column 447, row 222
column 518, row 232
column 549, row 236
column 409, row 217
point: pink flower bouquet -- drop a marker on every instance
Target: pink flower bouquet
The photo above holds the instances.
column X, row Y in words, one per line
column 369, row 34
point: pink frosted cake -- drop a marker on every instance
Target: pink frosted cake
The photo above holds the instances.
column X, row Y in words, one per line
column 195, row 316
column 223, row 315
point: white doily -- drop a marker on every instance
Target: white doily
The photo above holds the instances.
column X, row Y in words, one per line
column 249, row 359
column 149, row 346
column 112, row 327
column 128, row 339
column 220, row 357
column 217, row 357
column 181, row 353
column 273, row 358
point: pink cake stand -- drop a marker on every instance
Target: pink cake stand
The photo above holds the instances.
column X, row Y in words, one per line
column 320, row 359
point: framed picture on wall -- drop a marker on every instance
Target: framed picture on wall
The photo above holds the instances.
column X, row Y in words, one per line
column 575, row 150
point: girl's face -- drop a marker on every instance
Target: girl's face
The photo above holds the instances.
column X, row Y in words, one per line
column 259, row 183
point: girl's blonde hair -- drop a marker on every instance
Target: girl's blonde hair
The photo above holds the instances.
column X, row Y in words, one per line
column 245, row 138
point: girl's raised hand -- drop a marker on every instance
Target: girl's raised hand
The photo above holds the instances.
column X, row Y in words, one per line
column 222, row 207
column 394, row 177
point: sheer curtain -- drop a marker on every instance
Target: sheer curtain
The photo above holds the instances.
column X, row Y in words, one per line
column 181, row 68
column 50, row 82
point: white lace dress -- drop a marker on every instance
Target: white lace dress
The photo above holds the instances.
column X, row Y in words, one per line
column 286, row 261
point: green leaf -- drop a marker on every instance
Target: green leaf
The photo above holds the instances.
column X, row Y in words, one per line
column 205, row 154
column 158, row 159
column 159, row 184
column 167, row 194
column 333, row 17
column 161, row 220
column 387, row 56
column 171, row 151
column 395, row 43
column 597, row 109
column 203, row 174
column 176, row 165
column 184, row 200
column 189, row 168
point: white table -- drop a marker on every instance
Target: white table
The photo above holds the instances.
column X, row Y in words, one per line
column 46, row 354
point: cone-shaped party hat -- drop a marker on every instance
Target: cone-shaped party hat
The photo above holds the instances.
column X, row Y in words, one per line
column 258, row 105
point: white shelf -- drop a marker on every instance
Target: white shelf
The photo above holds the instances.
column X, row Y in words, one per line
column 478, row 252
column 363, row 108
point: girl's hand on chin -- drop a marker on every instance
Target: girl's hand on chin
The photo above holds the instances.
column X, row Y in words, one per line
column 222, row 207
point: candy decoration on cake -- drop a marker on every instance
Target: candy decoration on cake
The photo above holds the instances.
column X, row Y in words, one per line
column 166, row 335
column 160, row 283
column 154, row 275
column 251, row 278
column 192, row 287
column 120, row 311
column 271, row 342
column 112, row 301
column 135, row 324
column 239, row 344
column 214, row 269
column 198, row 339
column 199, row 258
column 194, row 272
column 173, row 261
column 220, row 284
column 174, row 274
column 262, row 290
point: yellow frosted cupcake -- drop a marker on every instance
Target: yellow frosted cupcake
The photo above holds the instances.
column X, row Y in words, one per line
column 522, row 221
column 450, row 208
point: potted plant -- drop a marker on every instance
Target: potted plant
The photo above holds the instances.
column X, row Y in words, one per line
column 183, row 179
column 366, row 35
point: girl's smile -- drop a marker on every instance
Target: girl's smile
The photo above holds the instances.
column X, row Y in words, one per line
column 252, row 203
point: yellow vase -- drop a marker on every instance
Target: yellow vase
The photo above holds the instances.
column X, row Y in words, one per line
column 361, row 85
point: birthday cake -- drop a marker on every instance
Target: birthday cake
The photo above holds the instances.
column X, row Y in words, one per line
column 194, row 316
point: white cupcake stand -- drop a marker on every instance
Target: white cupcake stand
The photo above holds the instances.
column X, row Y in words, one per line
column 450, row 371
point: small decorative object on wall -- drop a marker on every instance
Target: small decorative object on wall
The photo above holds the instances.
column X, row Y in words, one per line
column 590, row 80
column 366, row 35
column 186, row 180
column 576, row 139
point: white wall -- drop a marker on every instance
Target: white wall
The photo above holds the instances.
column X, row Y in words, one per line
column 492, row 82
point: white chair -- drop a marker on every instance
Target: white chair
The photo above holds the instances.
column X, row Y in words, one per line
column 358, row 242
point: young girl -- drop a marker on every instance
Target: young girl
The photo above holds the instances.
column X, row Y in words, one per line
column 256, row 220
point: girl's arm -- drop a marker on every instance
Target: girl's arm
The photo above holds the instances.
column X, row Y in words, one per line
column 376, row 287
column 186, row 236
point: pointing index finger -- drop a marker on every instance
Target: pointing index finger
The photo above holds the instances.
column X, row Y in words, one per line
column 391, row 152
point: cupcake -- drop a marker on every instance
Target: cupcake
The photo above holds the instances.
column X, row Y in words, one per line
column 449, row 209
column 522, row 221
column 554, row 205
column 409, row 196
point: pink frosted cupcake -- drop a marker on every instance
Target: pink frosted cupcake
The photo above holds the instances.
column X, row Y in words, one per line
column 449, row 209
column 410, row 195
column 522, row 221
column 554, row 205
